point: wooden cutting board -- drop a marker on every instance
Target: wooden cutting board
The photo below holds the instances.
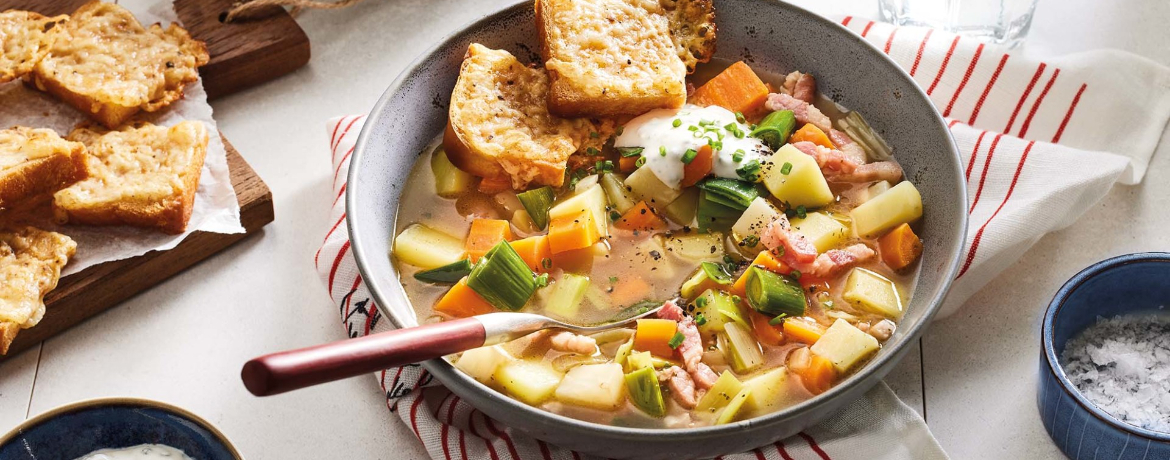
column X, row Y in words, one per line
column 242, row 54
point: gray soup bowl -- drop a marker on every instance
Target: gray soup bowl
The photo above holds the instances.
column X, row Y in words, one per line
column 772, row 36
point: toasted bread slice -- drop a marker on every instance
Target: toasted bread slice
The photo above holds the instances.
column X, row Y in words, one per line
column 143, row 175
column 30, row 265
column 24, row 40
column 35, row 162
column 499, row 123
column 608, row 57
column 106, row 64
column 692, row 29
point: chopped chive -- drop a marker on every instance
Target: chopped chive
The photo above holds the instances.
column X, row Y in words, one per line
column 700, row 319
column 795, row 274
column 692, row 128
column 613, row 279
column 676, row 340
column 594, row 134
column 676, row 123
column 701, row 302
column 546, row 263
column 641, row 161
column 801, row 212
column 542, row 280
column 787, row 168
column 662, row 150
column 592, row 151
column 778, row 320
column 750, row 171
column 689, row 156
column 751, row 241
column 620, row 130
column 630, row 151
column 740, row 118
column 615, row 216
column 738, row 155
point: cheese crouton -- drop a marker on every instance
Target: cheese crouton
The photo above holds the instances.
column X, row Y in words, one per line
column 106, row 64
column 35, row 162
column 619, row 57
column 144, row 176
column 23, row 41
column 500, row 126
column 30, row 265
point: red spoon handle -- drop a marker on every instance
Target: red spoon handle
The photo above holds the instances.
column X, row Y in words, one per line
column 295, row 369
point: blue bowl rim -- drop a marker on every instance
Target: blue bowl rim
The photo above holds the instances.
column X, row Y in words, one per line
column 1047, row 340
column 53, row 413
column 445, row 371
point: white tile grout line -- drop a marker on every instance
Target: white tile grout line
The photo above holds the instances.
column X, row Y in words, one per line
column 33, row 387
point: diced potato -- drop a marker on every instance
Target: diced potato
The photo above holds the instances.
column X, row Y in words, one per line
column 523, row 222
column 731, row 412
column 530, row 381
column 683, row 209
column 590, row 199
column 844, row 345
column 872, row 292
column 803, row 185
column 770, row 392
column 450, row 181
column 600, row 386
column 425, row 247
column 615, row 188
column 755, row 218
column 823, row 231
column 876, row 189
column 639, row 360
column 646, row 186
column 696, row 247
column 720, row 394
column 898, row 205
column 481, row 363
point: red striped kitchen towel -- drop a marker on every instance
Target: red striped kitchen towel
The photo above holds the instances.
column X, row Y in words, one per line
column 1041, row 142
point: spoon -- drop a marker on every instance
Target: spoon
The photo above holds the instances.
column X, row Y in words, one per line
column 295, row 369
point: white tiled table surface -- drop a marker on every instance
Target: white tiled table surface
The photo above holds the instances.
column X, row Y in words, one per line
column 184, row 341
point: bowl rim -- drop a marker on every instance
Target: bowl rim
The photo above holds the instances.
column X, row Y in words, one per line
column 1047, row 337
column 53, row 413
column 445, row 371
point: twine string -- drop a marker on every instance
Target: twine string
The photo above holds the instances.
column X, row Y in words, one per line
column 245, row 8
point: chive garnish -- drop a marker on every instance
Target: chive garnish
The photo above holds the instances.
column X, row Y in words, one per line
column 750, row 171
column 630, row 151
column 701, row 302
column 676, row 123
column 689, row 156
column 787, row 168
column 700, row 319
column 662, row 150
column 676, row 340
column 750, row 241
column 738, row 155
column 641, row 161
column 777, row 320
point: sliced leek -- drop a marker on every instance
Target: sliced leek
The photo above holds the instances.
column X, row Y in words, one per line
column 503, row 278
column 537, row 202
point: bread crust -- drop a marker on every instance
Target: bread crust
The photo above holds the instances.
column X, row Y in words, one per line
column 62, row 164
column 158, row 196
column 30, row 266
column 7, row 335
column 146, row 68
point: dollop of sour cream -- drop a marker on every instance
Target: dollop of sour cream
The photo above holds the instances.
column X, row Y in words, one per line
column 666, row 135
column 139, row 452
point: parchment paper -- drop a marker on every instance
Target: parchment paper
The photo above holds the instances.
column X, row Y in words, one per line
column 216, row 209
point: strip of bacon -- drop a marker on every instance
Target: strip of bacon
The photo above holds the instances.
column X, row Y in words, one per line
column 834, row 261
column 691, row 348
column 839, row 167
column 846, row 145
column 681, row 387
column 794, row 248
column 803, row 111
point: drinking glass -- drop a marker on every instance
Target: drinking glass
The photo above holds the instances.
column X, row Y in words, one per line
column 1004, row 22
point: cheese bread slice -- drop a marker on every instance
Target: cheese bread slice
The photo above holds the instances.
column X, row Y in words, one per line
column 30, row 265
column 24, row 40
column 106, row 64
column 143, row 175
column 36, row 162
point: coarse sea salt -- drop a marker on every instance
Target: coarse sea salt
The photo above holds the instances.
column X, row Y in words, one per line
column 1122, row 365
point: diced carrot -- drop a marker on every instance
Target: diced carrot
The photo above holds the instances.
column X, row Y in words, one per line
column 576, row 261
column 764, row 259
column 698, row 168
column 628, row 164
column 900, row 248
column 484, row 234
column 535, row 251
column 577, row 231
column 802, row 330
column 640, row 217
column 629, row 290
column 460, row 301
column 766, row 333
column 493, row 185
column 819, row 375
column 810, row 132
column 653, row 335
column 737, row 89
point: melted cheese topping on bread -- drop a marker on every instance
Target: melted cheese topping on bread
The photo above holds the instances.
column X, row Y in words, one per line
column 20, row 144
column 104, row 53
column 30, row 265
column 23, row 41
column 142, row 164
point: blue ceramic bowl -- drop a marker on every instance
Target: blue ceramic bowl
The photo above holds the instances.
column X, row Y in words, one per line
column 1133, row 283
column 73, row 430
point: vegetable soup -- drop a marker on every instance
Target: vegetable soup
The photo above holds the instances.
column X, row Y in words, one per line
column 774, row 226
